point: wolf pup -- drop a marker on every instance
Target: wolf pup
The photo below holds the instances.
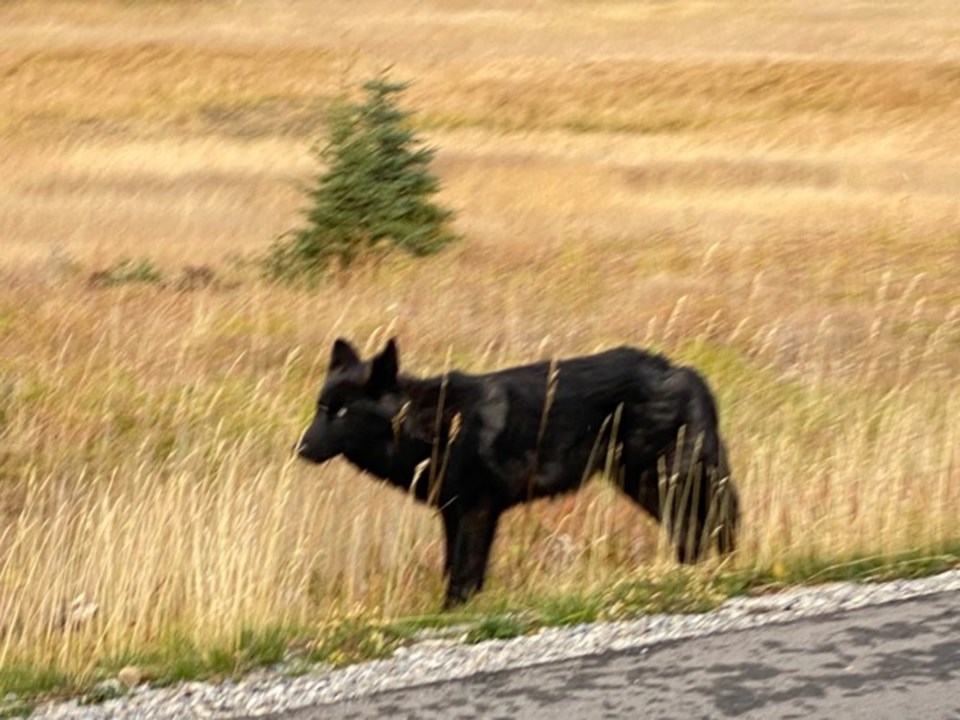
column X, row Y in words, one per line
column 474, row 445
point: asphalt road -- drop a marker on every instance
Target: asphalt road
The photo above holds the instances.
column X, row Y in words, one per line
column 899, row 661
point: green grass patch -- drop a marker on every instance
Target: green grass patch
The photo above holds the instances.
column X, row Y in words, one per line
column 26, row 681
column 177, row 658
column 499, row 627
column 570, row 609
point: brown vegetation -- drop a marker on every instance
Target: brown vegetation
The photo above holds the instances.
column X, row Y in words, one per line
column 767, row 190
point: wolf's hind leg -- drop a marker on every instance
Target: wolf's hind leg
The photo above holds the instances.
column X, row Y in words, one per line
column 676, row 494
column 640, row 485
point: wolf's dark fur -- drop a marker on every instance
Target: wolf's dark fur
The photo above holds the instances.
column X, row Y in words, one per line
column 475, row 445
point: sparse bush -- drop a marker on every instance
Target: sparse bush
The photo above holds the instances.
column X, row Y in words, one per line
column 127, row 271
column 373, row 196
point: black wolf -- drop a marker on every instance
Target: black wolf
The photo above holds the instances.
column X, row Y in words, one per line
column 475, row 445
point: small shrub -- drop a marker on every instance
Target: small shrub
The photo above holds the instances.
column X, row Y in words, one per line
column 373, row 196
column 102, row 692
column 352, row 641
column 195, row 277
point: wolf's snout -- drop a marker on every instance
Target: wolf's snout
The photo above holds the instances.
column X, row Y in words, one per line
column 305, row 451
column 316, row 445
column 302, row 446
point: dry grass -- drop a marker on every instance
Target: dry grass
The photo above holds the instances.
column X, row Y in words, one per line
column 768, row 191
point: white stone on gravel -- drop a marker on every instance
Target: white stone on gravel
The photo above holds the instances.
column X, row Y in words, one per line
column 436, row 660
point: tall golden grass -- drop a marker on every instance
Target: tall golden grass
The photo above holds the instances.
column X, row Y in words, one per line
column 786, row 219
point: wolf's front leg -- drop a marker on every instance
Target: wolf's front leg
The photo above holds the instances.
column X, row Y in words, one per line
column 475, row 528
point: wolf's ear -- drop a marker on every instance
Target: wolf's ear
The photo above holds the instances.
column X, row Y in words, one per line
column 343, row 355
column 383, row 369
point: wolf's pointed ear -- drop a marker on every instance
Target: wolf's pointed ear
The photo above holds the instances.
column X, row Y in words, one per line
column 343, row 355
column 383, row 369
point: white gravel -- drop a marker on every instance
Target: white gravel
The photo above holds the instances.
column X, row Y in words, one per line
column 431, row 661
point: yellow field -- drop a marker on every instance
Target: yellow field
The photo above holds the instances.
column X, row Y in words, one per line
column 768, row 190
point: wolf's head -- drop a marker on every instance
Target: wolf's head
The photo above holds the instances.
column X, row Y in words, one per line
column 355, row 410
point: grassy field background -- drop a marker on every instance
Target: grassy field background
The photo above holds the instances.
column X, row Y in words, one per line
column 768, row 190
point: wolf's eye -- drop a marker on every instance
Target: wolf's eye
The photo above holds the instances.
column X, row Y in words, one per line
column 342, row 412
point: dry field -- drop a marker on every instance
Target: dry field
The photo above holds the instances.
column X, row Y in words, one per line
column 769, row 190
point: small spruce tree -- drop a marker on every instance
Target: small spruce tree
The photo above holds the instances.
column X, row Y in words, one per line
column 374, row 194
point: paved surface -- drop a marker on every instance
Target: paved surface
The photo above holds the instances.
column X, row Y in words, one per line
column 898, row 661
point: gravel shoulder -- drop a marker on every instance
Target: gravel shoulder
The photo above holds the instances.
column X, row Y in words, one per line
column 884, row 662
column 433, row 661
